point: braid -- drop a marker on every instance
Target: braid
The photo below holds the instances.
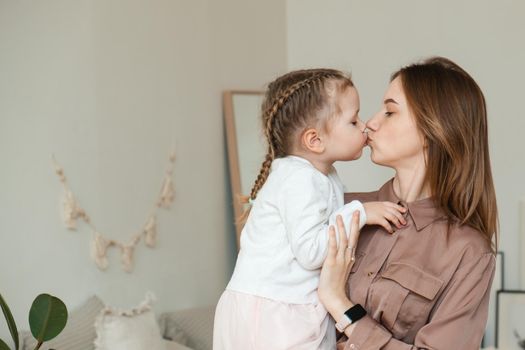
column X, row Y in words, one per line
column 281, row 100
column 263, row 174
column 278, row 125
column 271, row 114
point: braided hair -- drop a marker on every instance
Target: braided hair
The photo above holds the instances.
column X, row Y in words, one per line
column 293, row 102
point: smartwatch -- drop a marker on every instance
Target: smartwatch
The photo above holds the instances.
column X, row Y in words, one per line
column 352, row 315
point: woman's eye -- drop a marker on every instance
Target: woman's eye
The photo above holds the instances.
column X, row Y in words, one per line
column 354, row 123
column 388, row 114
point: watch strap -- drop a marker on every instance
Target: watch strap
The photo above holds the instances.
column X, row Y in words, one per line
column 352, row 315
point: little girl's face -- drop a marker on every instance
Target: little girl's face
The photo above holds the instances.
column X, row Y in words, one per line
column 346, row 139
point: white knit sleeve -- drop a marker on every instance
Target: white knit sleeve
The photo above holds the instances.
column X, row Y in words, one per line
column 346, row 213
column 304, row 205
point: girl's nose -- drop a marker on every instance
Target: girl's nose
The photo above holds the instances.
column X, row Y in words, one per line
column 362, row 125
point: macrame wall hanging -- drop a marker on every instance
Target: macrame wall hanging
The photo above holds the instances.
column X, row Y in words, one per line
column 72, row 211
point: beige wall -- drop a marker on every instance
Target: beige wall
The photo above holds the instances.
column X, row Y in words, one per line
column 373, row 38
column 109, row 87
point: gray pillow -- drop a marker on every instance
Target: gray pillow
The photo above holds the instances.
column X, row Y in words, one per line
column 170, row 330
column 195, row 325
column 79, row 333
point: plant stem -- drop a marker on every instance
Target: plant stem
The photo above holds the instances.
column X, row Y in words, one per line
column 10, row 321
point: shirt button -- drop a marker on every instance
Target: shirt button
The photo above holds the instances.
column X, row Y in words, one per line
column 370, row 274
column 352, row 346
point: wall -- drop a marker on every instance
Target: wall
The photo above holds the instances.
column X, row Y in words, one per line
column 372, row 39
column 109, row 87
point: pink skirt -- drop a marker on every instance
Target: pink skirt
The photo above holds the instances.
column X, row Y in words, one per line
column 248, row 322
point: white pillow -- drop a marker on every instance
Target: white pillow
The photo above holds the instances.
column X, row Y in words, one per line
column 134, row 329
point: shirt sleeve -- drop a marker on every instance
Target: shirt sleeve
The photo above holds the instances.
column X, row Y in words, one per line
column 304, row 206
column 457, row 321
column 346, row 212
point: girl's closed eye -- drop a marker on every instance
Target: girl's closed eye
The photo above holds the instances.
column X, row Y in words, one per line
column 388, row 113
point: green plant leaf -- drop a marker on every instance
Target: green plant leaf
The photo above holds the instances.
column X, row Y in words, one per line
column 3, row 346
column 10, row 322
column 47, row 317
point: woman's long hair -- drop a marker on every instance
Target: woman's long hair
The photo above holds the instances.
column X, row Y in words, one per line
column 450, row 111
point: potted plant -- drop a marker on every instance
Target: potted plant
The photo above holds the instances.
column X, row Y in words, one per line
column 47, row 318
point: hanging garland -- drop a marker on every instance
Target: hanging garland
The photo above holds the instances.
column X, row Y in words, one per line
column 100, row 245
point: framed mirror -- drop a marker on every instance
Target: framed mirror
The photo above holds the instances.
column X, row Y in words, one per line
column 245, row 143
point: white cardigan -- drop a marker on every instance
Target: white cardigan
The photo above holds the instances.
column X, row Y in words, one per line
column 285, row 239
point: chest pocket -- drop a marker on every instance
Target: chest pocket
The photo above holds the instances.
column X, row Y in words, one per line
column 404, row 296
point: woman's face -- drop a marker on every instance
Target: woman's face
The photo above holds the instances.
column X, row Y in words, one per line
column 393, row 137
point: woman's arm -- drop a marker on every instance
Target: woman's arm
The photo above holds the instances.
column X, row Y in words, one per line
column 336, row 268
column 457, row 321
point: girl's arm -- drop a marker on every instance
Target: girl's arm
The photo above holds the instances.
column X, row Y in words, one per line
column 305, row 204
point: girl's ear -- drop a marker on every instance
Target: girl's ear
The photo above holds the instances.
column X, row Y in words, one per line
column 311, row 140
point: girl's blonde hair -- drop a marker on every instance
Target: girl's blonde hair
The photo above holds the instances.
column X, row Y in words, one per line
column 450, row 111
column 292, row 103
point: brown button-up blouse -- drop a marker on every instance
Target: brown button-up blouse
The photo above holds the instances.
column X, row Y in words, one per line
column 424, row 287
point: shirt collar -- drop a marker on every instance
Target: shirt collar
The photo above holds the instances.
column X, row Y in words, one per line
column 423, row 211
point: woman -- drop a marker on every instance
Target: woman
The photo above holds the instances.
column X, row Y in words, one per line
column 426, row 286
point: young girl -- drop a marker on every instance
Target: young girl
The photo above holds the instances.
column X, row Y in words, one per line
column 310, row 120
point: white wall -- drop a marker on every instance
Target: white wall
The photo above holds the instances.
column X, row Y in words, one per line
column 108, row 86
column 374, row 38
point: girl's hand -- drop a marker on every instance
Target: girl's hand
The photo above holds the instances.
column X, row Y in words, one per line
column 385, row 214
column 337, row 266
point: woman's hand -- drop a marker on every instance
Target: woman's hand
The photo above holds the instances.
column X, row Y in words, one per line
column 336, row 267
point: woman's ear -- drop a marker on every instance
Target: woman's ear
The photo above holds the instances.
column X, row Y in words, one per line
column 311, row 140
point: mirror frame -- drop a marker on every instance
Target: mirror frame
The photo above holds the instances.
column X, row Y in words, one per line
column 233, row 154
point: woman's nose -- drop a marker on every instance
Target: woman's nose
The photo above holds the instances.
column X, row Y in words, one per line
column 372, row 124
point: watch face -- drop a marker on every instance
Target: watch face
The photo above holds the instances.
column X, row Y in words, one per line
column 355, row 313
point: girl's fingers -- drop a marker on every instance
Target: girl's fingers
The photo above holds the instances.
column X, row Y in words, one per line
column 386, row 225
column 394, row 219
column 399, row 216
column 397, row 207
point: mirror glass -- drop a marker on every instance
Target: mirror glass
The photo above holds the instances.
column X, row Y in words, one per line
column 245, row 140
column 250, row 139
